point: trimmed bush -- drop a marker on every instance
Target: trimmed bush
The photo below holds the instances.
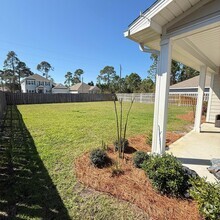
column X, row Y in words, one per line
column 166, row 174
column 139, row 157
column 99, row 158
column 123, row 141
column 207, row 196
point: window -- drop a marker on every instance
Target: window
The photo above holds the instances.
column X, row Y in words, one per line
column 30, row 82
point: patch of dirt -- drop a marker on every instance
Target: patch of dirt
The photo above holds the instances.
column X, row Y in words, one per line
column 190, row 117
column 133, row 185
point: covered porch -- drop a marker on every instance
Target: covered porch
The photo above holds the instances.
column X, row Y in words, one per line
column 189, row 32
column 195, row 150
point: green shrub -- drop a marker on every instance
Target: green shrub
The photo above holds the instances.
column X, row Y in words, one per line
column 139, row 157
column 207, row 196
column 123, row 141
column 117, row 170
column 99, row 158
column 166, row 174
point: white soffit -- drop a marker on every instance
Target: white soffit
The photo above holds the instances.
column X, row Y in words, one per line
column 209, row 43
column 204, row 44
column 199, row 49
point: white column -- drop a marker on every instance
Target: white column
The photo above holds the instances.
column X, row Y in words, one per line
column 210, row 98
column 201, row 89
column 161, row 98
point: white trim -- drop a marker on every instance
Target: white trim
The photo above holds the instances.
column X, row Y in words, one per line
column 153, row 10
column 210, row 98
column 201, row 88
column 161, row 98
column 195, row 87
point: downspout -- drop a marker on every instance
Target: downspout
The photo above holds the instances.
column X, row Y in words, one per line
column 148, row 50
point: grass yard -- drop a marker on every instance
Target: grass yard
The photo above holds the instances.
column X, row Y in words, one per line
column 43, row 143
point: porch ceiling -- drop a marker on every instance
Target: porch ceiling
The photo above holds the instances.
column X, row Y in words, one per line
column 195, row 49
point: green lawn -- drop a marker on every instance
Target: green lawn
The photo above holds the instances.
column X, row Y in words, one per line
column 50, row 139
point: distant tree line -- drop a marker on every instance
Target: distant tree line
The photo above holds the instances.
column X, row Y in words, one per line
column 107, row 80
column 73, row 78
column 14, row 70
column 179, row 71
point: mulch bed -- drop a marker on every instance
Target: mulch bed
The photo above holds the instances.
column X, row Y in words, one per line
column 133, row 185
column 190, row 117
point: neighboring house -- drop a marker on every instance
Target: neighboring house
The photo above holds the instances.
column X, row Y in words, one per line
column 94, row 89
column 190, row 85
column 60, row 88
column 84, row 88
column 36, row 84
column 4, row 88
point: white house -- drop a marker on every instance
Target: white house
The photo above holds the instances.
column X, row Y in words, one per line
column 36, row 84
column 187, row 31
column 60, row 88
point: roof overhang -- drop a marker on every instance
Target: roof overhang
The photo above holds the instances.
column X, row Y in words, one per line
column 193, row 26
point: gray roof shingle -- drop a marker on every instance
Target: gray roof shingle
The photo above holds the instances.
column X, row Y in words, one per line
column 191, row 83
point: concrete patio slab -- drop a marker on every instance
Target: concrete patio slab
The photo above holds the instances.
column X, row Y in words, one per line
column 195, row 150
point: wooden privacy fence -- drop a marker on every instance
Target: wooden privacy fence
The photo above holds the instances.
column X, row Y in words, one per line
column 181, row 99
column 35, row 98
column 2, row 104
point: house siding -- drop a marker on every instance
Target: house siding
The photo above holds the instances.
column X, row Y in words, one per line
column 55, row 90
column 32, row 88
column 186, row 90
column 215, row 99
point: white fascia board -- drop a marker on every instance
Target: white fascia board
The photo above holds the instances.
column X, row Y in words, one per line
column 139, row 23
column 157, row 8
column 126, row 33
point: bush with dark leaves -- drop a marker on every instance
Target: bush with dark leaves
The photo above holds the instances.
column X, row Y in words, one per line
column 139, row 157
column 166, row 174
column 124, row 142
column 99, row 158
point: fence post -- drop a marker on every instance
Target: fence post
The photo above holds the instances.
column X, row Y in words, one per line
column 179, row 102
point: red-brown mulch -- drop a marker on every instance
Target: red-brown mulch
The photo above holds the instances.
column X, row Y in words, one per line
column 190, row 117
column 133, row 185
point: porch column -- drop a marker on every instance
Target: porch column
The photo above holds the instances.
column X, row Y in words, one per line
column 201, row 89
column 210, row 98
column 161, row 98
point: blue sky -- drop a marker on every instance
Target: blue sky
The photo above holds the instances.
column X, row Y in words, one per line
column 72, row 34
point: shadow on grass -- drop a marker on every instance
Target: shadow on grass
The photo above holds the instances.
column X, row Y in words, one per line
column 26, row 189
